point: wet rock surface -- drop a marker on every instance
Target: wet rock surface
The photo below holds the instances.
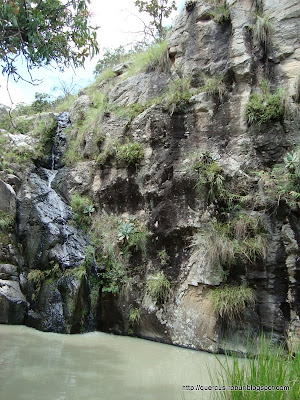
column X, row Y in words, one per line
column 45, row 228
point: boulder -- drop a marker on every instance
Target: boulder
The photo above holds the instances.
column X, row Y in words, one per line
column 7, row 198
column 13, row 304
column 79, row 109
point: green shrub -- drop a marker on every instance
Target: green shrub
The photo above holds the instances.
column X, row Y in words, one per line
column 41, row 103
column 130, row 153
column 83, row 209
column 230, row 301
column 6, row 122
column 110, row 58
column 23, row 124
column 158, row 287
column 265, row 107
column 134, row 316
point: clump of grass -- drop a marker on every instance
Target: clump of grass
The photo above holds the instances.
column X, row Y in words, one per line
column 89, row 254
column 129, row 153
column 134, row 316
column 83, row 209
column 133, row 235
column 163, row 257
column 129, row 111
column 79, row 272
column 89, row 125
column 126, row 154
column 55, row 271
column 221, row 12
column 214, row 86
column 37, row 277
column 139, row 239
column 265, row 107
column 240, row 240
column 271, row 366
column 283, row 181
column 158, row 287
column 145, row 60
column 217, row 244
column 6, row 221
column 114, row 277
column 177, row 95
column 209, row 176
column 64, row 104
column 105, row 75
column 230, row 301
column 262, row 29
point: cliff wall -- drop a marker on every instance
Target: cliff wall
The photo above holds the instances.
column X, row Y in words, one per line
column 184, row 181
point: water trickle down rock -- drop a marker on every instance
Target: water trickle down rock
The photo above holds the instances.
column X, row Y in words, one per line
column 45, row 228
column 48, row 237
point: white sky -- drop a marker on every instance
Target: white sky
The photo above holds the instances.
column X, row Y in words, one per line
column 116, row 21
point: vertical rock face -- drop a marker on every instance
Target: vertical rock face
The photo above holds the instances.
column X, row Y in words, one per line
column 178, row 215
column 51, row 293
column 193, row 183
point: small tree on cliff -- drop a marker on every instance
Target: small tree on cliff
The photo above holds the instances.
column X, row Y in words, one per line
column 158, row 11
column 45, row 32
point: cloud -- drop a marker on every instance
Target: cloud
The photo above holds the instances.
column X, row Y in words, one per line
column 11, row 96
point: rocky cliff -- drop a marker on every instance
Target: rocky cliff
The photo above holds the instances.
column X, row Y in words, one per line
column 183, row 178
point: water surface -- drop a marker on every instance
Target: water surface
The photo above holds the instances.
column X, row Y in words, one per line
column 96, row 366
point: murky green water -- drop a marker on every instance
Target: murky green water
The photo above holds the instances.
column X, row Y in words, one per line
column 96, row 366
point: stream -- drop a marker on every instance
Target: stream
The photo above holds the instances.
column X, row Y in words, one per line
column 97, row 366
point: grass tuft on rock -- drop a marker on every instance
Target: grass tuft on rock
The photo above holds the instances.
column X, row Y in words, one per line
column 265, row 107
column 158, row 287
column 230, row 301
